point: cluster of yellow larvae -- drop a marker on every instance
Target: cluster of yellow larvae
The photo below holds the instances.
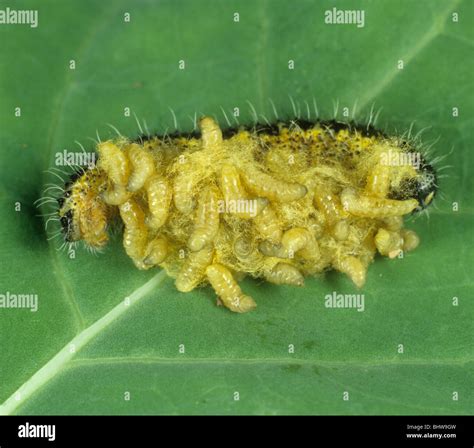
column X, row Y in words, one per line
column 278, row 205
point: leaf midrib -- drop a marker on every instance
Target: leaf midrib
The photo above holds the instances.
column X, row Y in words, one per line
column 64, row 356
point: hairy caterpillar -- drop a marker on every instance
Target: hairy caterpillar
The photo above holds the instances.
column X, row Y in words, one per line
column 278, row 202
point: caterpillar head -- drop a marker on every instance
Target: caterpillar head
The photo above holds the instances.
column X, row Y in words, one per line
column 421, row 186
column 83, row 214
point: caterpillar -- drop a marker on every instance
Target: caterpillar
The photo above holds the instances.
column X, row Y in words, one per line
column 279, row 201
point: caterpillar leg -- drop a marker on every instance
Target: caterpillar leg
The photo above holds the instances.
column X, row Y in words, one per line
column 370, row 207
column 115, row 163
column 228, row 290
column 135, row 233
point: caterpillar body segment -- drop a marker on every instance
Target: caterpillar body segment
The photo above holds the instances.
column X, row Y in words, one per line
column 278, row 202
column 97, row 231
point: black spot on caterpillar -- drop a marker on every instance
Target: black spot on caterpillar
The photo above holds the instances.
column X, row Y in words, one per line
column 279, row 202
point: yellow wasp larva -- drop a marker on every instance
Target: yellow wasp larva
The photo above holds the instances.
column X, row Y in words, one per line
column 351, row 266
column 284, row 274
column 278, row 202
column 268, row 225
column 267, row 186
column 329, row 204
column 388, row 243
column 378, row 182
column 341, row 230
column 142, row 167
column 206, row 223
column 230, row 184
column 274, row 250
column 228, row 290
column 135, row 234
column 159, row 195
column 194, row 269
column 410, row 239
column 182, row 193
column 156, row 251
column 302, row 241
column 235, row 197
column 370, row 207
column 116, row 166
